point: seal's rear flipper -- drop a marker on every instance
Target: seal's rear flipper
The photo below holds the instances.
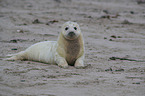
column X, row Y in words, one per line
column 13, row 57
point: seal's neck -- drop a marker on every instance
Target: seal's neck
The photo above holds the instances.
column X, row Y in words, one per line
column 71, row 47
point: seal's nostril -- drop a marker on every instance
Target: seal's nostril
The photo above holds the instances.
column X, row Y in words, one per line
column 71, row 33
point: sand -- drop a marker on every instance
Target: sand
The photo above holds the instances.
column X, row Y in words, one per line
column 111, row 28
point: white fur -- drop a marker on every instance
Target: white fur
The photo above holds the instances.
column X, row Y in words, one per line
column 43, row 51
column 54, row 51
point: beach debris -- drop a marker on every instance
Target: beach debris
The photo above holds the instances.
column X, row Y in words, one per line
column 14, row 49
column 125, row 58
column 105, row 16
column 120, row 69
column 58, row 1
column 16, row 40
column 113, row 36
column 105, row 11
column 36, row 21
column 140, row 1
column 13, row 41
column 110, row 40
column 49, row 35
column 105, row 37
column 131, row 12
column 22, row 24
column 110, row 69
column 22, row 80
column 136, row 83
column 109, row 16
column 116, row 69
column 89, row 16
column 51, row 22
column 20, row 31
column 126, row 22
column 119, row 36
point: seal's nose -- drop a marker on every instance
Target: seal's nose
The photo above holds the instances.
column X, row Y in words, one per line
column 71, row 33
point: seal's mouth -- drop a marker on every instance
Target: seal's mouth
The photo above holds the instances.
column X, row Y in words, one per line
column 71, row 35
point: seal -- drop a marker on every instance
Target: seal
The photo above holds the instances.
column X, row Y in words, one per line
column 67, row 50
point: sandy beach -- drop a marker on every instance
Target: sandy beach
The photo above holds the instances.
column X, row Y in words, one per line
column 114, row 33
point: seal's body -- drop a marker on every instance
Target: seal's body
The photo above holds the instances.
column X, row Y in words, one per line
column 67, row 50
column 43, row 52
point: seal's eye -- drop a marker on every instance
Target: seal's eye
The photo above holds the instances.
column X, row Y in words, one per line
column 66, row 28
column 75, row 28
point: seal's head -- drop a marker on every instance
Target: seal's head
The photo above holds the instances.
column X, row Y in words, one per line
column 71, row 30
